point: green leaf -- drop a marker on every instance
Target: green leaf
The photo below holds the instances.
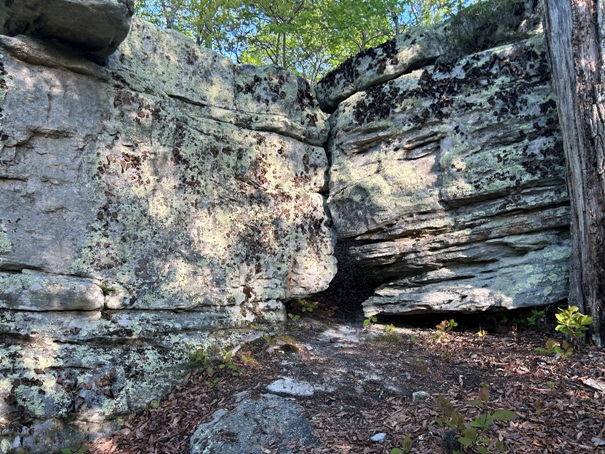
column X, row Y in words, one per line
column 396, row 451
column 465, row 441
column 475, row 403
column 456, row 420
column 504, row 415
column 482, row 421
column 65, row 451
column 482, row 450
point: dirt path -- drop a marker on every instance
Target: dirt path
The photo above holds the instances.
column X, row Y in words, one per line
column 363, row 382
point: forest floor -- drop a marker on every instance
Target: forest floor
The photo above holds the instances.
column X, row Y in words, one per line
column 365, row 378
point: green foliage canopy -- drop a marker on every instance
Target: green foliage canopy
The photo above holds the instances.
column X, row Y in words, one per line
column 309, row 37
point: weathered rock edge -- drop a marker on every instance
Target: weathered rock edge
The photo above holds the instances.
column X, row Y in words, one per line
column 93, row 27
column 168, row 201
column 452, row 180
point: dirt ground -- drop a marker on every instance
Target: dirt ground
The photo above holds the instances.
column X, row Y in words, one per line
column 365, row 379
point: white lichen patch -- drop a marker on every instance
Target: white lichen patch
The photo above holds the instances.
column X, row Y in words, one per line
column 5, row 244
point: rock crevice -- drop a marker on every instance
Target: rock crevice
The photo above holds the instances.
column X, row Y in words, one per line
column 171, row 200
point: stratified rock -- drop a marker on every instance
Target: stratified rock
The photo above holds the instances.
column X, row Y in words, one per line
column 168, row 180
column 32, row 291
column 254, row 426
column 397, row 56
column 452, row 180
column 95, row 27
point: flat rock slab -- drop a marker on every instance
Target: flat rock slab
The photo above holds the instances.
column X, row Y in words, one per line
column 291, row 387
column 254, row 425
column 341, row 335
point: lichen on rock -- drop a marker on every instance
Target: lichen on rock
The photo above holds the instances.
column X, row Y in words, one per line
column 168, row 199
column 431, row 171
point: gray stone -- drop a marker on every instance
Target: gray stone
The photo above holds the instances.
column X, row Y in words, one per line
column 253, row 426
column 291, row 387
column 379, row 437
column 33, row 291
column 452, row 178
column 420, row 395
column 341, row 335
column 95, row 27
column 145, row 207
column 378, row 64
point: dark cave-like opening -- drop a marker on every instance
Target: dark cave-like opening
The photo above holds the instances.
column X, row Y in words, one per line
column 352, row 285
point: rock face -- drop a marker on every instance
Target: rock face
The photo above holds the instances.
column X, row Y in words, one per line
column 145, row 206
column 379, row 64
column 253, row 427
column 451, row 179
column 94, row 27
column 172, row 200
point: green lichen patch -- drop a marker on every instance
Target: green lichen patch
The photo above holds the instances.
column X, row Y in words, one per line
column 5, row 244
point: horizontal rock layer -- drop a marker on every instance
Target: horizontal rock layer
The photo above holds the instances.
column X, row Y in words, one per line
column 94, row 27
column 451, row 178
column 168, row 180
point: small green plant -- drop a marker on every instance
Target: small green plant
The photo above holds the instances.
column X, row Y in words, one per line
column 474, row 433
column 293, row 317
column 572, row 322
column 107, row 289
column 306, row 306
column 562, row 350
column 412, row 340
column 368, row 321
column 226, row 363
column 389, row 335
column 443, row 329
column 81, row 450
column 211, row 358
column 406, row 446
column 535, row 317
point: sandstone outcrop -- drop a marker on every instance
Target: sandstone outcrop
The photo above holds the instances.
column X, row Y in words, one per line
column 171, row 200
column 451, row 179
column 145, row 206
column 94, row 27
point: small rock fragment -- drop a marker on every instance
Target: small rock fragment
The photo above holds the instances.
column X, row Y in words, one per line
column 379, row 437
column 420, row 395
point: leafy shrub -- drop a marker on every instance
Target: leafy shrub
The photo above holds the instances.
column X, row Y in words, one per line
column 572, row 322
column 474, row 433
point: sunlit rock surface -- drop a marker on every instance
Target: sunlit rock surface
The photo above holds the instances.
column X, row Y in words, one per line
column 451, row 178
column 170, row 199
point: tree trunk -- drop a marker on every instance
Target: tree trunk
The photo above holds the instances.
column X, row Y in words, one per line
column 576, row 37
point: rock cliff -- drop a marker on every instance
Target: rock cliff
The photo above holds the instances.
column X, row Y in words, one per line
column 146, row 206
column 451, row 180
column 159, row 198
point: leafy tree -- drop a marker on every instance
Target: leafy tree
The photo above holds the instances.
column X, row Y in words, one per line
column 309, row 37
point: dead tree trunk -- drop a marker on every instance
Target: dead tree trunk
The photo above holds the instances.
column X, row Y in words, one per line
column 576, row 37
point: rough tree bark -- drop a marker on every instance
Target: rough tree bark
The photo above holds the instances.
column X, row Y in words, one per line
column 576, row 39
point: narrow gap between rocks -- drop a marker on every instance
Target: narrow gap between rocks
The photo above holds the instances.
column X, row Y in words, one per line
column 352, row 285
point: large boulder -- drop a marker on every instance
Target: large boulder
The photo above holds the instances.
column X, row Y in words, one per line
column 152, row 204
column 451, row 179
column 95, row 27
